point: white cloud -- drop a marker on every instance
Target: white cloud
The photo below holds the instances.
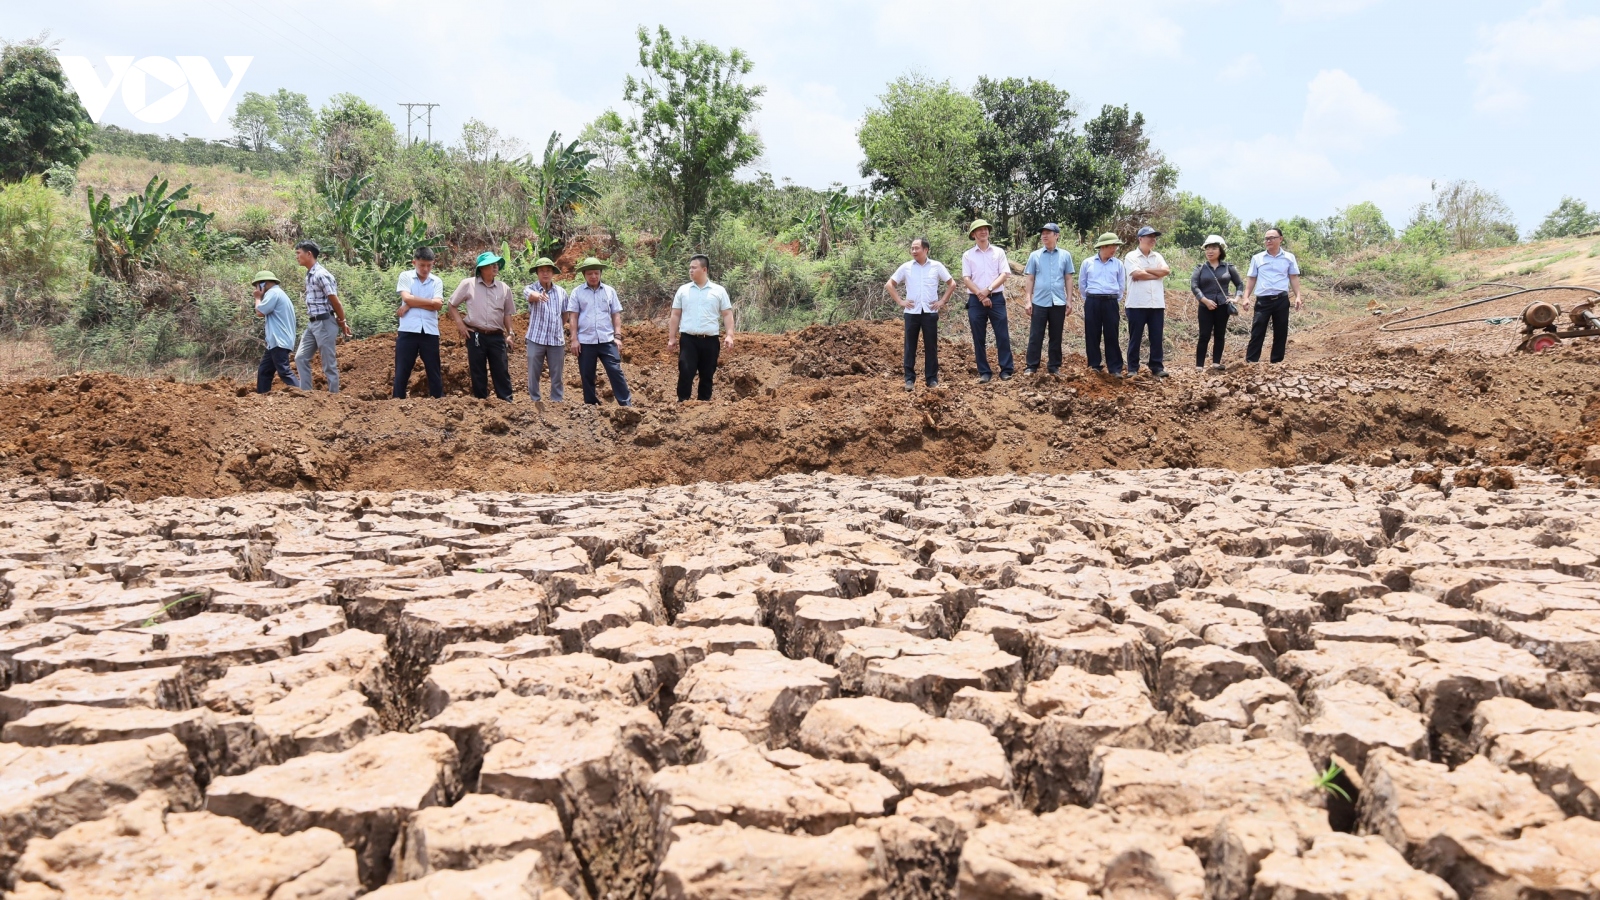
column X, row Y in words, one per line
column 1243, row 68
column 1273, row 173
column 809, row 132
column 1340, row 113
column 1543, row 41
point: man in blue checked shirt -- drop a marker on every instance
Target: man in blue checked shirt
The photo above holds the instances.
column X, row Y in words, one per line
column 546, row 342
column 1049, row 285
column 325, row 319
column 594, row 313
column 1102, row 281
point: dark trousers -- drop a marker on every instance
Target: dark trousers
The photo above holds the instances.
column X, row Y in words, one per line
column 1102, row 324
column 926, row 326
column 274, row 362
column 979, row 316
column 1273, row 308
column 408, row 345
column 609, row 357
column 1213, row 324
column 1053, row 319
column 1140, row 320
column 488, row 352
column 697, row 355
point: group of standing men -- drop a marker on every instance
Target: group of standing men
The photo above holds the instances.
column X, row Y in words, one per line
column 1111, row 288
column 585, row 321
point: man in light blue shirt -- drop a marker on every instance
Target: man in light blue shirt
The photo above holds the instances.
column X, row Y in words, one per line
column 699, row 309
column 1102, row 281
column 594, row 316
column 273, row 305
column 421, row 298
column 1048, row 285
column 1273, row 280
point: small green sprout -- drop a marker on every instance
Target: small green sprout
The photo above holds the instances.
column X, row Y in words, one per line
column 151, row 622
column 1327, row 783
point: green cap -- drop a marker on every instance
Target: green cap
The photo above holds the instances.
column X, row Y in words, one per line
column 976, row 224
column 488, row 258
column 264, row 275
column 1109, row 238
column 543, row 261
column 590, row 262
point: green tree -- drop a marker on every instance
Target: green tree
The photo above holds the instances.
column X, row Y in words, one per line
column 1570, row 218
column 692, row 131
column 297, row 124
column 1359, row 226
column 607, row 138
column 1199, row 218
column 355, row 136
column 1023, row 149
column 255, row 121
column 921, row 141
column 1473, row 216
column 1149, row 181
column 42, row 123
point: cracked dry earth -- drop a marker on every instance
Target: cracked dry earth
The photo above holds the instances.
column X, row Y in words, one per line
column 1103, row 684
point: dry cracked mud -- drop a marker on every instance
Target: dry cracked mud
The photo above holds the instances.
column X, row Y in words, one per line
column 1098, row 684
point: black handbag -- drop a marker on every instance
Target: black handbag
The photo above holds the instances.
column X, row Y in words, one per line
column 1233, row 308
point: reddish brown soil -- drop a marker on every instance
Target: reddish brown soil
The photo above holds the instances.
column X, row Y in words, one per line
column 826, row 398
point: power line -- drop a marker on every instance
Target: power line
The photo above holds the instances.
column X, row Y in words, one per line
column 412, row 117
column 297, row 41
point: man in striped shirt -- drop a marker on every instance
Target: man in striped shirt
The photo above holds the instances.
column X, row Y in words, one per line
column 325, row 319
column 546, row 339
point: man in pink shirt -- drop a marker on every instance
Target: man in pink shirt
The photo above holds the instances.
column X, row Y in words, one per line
column 984, row 268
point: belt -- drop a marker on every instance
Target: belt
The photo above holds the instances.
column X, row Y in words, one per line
column 485, row 330
column 692, row 334
column 1102, row 296
column 326, row 315
column 1278, row 296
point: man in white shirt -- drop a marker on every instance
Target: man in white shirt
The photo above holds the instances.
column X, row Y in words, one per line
column 1147, row 302
column 921, row 277
column 1273, row 280
column 984, row 268
column 421, row 298
column 699, row 310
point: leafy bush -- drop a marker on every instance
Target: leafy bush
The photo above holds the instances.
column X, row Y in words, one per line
column 39, row 251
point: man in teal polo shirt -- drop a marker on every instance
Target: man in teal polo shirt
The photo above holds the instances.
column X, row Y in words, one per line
column 1048, row 285
column 699, row 309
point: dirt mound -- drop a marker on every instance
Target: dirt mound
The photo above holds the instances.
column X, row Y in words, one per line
column 822, row 399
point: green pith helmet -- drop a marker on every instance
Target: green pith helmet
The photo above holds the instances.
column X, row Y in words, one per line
column 590, row 262
column 264, row 275
column 488, row 258
column 1108, row 238
column 978, row 223
column 543, row 261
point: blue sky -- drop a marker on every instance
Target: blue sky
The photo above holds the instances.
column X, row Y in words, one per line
column 1273, row 109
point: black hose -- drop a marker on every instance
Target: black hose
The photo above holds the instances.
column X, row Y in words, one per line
column 1398, row 323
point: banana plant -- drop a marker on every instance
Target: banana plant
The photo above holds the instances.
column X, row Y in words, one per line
column 383, row 233
column 559, row 184
column 125, row 235
column 340, row 197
